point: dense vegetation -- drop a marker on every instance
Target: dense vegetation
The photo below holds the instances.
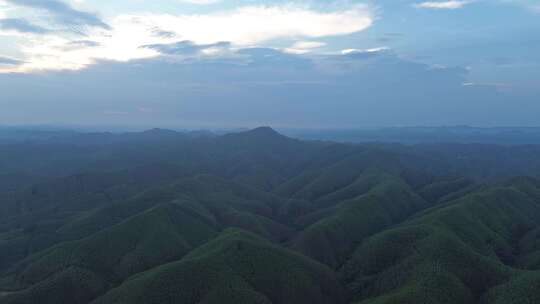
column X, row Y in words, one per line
column 257, row 217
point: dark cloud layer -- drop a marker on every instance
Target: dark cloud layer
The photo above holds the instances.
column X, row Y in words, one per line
column 63, row 13
column 21, row 25
column 9, row 61
column 185, row 47
column 163, row 34
column 84, row 43
column 79, row 44
column 263, row 87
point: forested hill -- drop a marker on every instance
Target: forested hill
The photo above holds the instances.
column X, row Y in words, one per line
column 257, row 217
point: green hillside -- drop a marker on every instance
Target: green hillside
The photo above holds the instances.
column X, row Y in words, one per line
column 163, row 233
column 257, row 217
column 236, row 267
column 331, row 239
column 467, row 248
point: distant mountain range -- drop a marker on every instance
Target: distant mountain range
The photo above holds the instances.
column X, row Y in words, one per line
column 258, row 217
column 416, row 135
column 405, row 135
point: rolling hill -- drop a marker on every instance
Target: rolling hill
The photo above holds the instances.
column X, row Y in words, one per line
column 257, row 217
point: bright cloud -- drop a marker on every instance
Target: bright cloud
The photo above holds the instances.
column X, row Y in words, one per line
column 308, row 44
column 242, row 27
column 303, row 47
column 256, row 24
column 455, row 4
column 357, row 51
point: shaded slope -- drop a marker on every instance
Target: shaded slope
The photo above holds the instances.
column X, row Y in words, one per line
column 316, row 183
column 228, row 203
column 33, row 217
column 59, row 198
column 72, row 285
column 159, row 235
column 151, row 229
column 523, row 289
column 453, row 254
column 529, row 250
column 441, row 189
column 261, row 158
column 237, row 267
column 331, row 239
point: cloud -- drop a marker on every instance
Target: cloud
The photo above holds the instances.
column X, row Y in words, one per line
column 243, row 27
column 83, row 43
column 21, row 26
column 364, row 54
column 263, row 86
column 63, row 13
column 302, row 47
column 79, row 44
column 9, row 61
column 163, row 34
column 186, row 47
column 454, row 4
column 254, row 24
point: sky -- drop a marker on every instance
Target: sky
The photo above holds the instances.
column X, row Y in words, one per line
column 283, row 63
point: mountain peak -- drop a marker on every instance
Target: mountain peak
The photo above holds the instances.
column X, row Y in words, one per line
column 159, row 131
column 260, row 134
column 264, row 131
